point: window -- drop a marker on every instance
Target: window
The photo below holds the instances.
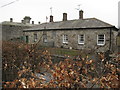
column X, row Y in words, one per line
column 53, row 34
column 45, row 38
column 27, row 39
column 65, row 38
column 35, row 37
column 101, row 39
column 81, row 39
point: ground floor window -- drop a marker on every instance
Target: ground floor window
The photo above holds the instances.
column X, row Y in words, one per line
column 27, row 39
column 35, row 37
column 45, row 38
column 81, row 39
column 101, row 39
column 65, row 38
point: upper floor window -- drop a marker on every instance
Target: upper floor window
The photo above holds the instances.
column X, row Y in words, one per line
column 35, row 37
column 101, row 39
column 81, row 39
column 65, row 38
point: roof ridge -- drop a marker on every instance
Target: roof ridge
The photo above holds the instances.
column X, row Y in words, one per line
column 75, row 23
column 69, row 20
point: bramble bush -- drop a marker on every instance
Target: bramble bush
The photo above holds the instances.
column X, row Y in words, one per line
column 33, row 68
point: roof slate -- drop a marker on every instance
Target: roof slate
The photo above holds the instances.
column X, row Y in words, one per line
column 79, row 23
column 16, row 23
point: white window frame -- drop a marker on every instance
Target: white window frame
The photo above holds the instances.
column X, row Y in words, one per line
column 45, row 38
column 80, row 39
column 98, row 42
column 65, row 38
column 35, row 37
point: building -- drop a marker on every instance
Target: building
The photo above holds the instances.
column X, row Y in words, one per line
column 119, row 14
column 90, row 34
column 118, row 37
column 118, row 41
column 14, row 30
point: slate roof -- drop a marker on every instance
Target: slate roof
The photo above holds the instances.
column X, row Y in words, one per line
column 71, row 24
column 16, row 23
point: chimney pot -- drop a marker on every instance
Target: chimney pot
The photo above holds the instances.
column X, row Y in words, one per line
column 51, row 18
column 22, row 21
column 81, row 14
column 64, row 16
column 32, row 22
column 11, row 19
column 38, row 22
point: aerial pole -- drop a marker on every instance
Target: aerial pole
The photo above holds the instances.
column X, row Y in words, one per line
column 51, row 11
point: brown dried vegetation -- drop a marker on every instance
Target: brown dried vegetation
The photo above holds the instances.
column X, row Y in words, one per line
column 25, row 61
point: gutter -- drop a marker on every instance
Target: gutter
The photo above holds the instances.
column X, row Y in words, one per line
column 31, row 30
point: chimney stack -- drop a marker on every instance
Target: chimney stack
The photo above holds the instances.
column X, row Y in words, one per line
column 27, row 20
column 32, row 22
column 11, row 19
column 38, row 22
column 80, row 14
column 51, row 18
column 64, row 16
column 22, row 21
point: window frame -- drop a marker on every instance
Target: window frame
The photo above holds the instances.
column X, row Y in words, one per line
column 98, row 40
column 65, row 38
column 45, row 38
column 80, row 37
column 35, row 37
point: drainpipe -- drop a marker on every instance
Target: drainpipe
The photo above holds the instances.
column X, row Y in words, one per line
column 110, row 39
column 107, row 53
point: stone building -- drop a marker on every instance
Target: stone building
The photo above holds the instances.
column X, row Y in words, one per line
column 14, row 30
column 82, row 33
column 118, row 41
column 119, row 14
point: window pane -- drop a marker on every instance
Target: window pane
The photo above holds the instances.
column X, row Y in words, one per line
column 27, row 39
column 35, row 37
column 101, row 39
column 45, row 38
column 81, row 39
column 65, row 38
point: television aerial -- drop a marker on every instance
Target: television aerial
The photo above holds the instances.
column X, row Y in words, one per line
column 78, row 7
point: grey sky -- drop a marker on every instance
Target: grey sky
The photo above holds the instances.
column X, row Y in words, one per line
column 105, row 10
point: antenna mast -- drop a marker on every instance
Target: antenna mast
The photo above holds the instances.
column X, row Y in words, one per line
column 78, row 7
column 51, row 10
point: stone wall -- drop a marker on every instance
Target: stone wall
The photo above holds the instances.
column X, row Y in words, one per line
column 55, row 38
column 10, row 31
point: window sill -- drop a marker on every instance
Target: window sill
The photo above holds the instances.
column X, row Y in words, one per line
column 65, row 42
column 81, row 43
column 100, row 44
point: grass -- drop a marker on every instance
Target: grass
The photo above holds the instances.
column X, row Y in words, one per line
column 68, row 52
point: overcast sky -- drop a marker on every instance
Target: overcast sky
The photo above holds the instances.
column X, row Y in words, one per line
column 105, row 10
